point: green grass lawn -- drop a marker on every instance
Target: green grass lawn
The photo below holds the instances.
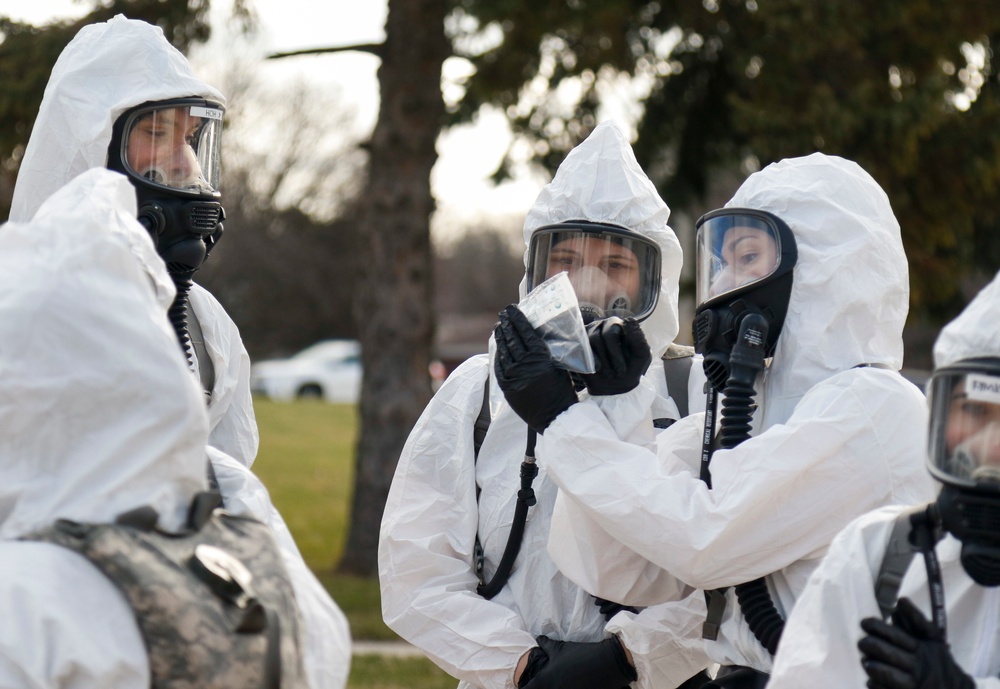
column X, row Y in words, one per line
column 383, row 672
column 306, row 460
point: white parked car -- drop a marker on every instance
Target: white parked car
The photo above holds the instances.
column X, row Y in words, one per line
column 329, row 370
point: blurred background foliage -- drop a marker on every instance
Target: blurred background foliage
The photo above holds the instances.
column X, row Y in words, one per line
column 713, row 90
column 907, row 88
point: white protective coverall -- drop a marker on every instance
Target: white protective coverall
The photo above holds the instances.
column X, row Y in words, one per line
column 99, row 416
column 432, row 514
column 832, row 438
column 106, row 69
column 820, row 645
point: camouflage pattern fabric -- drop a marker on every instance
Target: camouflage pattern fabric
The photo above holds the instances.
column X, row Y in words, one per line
column 205, row 622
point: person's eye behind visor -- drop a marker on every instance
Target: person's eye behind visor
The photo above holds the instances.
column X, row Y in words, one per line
column 614, row 272
column 175, row 146
column 735, row 248
column 964, row 433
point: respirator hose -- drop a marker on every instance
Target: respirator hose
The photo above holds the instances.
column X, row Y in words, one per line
column 762, row 617
column 178, row 315
column 745, row 363
column 525, row 499
column 737, row 413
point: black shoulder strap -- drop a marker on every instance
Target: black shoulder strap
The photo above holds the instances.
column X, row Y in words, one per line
column 899, row 553
column 677, row 370
column 479, row 429
column 482, row 421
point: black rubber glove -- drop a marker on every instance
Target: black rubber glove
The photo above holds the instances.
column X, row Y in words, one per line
column 534, row 386
column 537, row 658
column 621, row 354
column 910, row 653
column 609, row 608
column 583, row 665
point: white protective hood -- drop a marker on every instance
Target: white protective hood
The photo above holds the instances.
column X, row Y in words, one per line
column 106, row 69
column 99, row 411
column 975, row 332
column 850, row 286
column 601, row 181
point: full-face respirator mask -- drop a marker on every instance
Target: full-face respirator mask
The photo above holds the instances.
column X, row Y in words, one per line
column 964, row 455
column 614, row 271
column 170, row 150
column 744, row 266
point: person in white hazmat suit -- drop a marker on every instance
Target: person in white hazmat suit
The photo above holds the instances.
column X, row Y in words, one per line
column 445, row 500
column 100, row 417
column 807, row 353
column 956, row 645
column 120, row 96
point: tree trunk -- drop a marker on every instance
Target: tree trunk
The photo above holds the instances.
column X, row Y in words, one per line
column 393, row 307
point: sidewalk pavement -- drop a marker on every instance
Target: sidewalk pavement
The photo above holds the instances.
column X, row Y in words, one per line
column 398, row 649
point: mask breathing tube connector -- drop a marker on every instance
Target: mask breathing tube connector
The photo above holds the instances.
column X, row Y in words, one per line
column 525, row 499
column 183, row 258
column 745, row 363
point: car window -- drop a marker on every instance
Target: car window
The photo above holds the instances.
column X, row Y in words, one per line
column 341, row 362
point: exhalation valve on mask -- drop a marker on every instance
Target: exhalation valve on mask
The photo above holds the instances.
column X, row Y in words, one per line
column 619, row 305
column 988, row 473
column 155, row 176
column 619, row 302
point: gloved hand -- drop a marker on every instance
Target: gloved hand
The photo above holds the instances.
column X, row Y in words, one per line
column 621, row 353
column 536, row 389
column 910, row 653
column 582, row 665
column 536, row 660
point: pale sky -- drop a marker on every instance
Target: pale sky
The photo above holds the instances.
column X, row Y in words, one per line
column 467, row 154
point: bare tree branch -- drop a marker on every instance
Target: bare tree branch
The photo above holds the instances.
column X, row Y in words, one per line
column 376, row 49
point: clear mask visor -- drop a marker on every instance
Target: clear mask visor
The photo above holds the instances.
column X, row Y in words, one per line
column 175, row 146
column 964, row 437
column 733, row 251
column 614, row 272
